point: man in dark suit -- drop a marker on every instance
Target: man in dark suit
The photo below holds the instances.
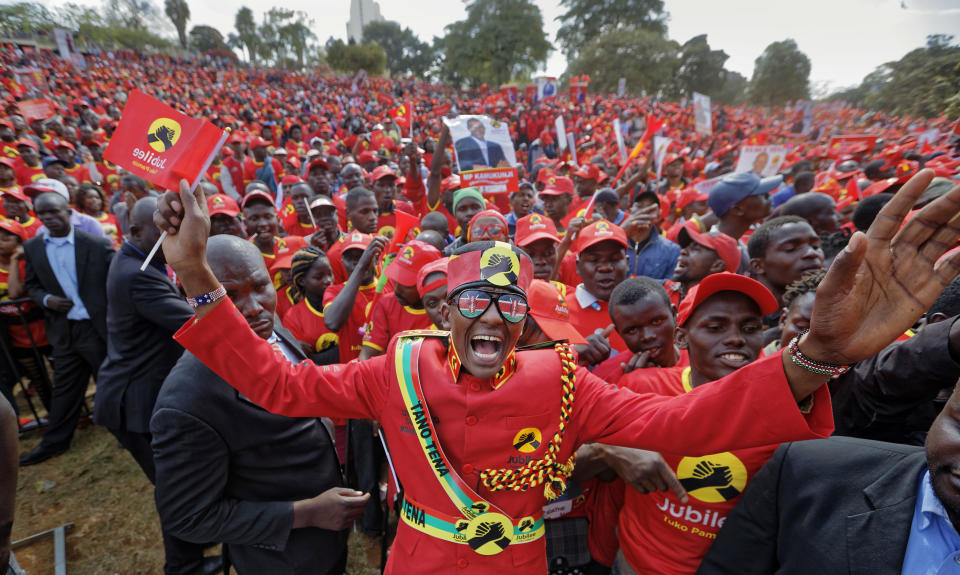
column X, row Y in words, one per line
column 475, row 150
column 265, row 485
column 66, row 275
column 145, row 310
column 846, row 505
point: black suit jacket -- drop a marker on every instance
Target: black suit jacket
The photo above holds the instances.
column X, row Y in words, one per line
column 826, row 507
column 93, row 257
column 229, row 471
column 468, row 154
column 145, row 310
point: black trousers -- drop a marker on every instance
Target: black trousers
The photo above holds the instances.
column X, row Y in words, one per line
column 367, row 457
column 73, row 365
column 181, row 557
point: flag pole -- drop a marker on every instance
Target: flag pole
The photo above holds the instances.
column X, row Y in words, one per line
column 193, row 187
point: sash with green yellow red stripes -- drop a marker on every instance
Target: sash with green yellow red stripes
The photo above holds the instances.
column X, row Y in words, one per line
column 482, row 525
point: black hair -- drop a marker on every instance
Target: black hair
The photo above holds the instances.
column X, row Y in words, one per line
column 632, row 290
column 805, row 205
column 833, row 244
column 757, row 246
column 804, row 180
column 301, row 263
column 807, row 283
column 948, row 303
column 867, row 210
column 132, row 181
column 356, row 194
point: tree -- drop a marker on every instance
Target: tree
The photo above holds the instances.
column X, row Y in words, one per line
column 733, row 90
column 586, row 20
column 206, row 39
column 298, row 35
column 780, row 74
column 925, row 82
column 141, row 15
column 246, row 36
column 499, row 40
column 701, row 69
column 353, row 57
column 179, row 14
column 25, row 17
column 406, row 54
column 645, row 58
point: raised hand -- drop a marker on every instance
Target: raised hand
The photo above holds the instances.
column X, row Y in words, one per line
column 887, row 278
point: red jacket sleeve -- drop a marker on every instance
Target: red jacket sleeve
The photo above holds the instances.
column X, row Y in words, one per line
column 248, row 363
column 751, row 407
column 378, row 337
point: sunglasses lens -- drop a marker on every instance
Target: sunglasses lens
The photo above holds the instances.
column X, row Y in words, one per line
column 472, row 303
column 512, row 307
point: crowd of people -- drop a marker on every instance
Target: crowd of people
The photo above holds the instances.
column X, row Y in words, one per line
column 626, row 365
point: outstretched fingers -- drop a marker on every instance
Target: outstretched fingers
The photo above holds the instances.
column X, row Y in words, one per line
column 888, row 221
column 946, row 235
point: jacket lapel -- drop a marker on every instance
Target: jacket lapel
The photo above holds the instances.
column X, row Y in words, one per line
column 877, row 539
column 81, row 251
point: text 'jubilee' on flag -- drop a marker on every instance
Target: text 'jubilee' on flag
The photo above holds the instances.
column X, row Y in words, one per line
column 160, row 144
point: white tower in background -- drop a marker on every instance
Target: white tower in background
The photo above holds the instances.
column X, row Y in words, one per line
column 362, row 12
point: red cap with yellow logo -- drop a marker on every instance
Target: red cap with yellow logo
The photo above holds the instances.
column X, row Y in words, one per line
column 412, row 256
column 549, row 308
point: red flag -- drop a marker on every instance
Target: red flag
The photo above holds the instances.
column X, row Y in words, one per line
column 654, row 125
column 853, row 190
column 405, row 223
column 384, row 99
column 160, row 144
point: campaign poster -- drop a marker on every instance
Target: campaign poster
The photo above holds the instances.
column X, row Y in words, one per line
column 39, row 109
column 621, row 87
column 764, row 161
column 702, row 119
column 621, row 145
column 561, row 133
column 660, row 146
column 546, row 88
column 496, row 184
column 481, row 142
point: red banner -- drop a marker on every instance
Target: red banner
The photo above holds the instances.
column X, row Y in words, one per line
column 160, row 144
column 843, row 145
column 40, row 109
column 496, row 184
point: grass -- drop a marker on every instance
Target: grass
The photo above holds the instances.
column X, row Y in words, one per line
column 99, row 488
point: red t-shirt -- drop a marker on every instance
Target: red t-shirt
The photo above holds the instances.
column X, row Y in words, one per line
column 658, row 533
column 306, row 324
column 389, row 318
column 27, row 175
column 284, row 302
column 292, row 224
column 386, row 223
column 590, row 319
column 18, row 333
column 111, row 228
column 80, row 172
column 31, row 226
column 611, row 372
column 352, row 332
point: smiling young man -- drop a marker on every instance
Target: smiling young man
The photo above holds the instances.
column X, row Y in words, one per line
column 720, row 324
column 602, row 265
column 466, row 503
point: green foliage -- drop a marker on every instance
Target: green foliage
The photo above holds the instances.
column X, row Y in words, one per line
column 733, row 90
column 925, row 82
column 25, row 17
column 701, row 69
column 780, row 74
column 406, row 54
column 246, row 36
column 206, row 38
column 586, row 20
column 645, row 58
column 352, row 57
column 141, row 15
column 282, row 39
column 499, row 40
column 179, row 13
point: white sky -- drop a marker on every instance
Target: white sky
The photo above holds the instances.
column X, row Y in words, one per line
column 844, row 39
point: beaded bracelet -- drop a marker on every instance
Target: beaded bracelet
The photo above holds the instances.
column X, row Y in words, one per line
column 207, row 298
column 819, row 368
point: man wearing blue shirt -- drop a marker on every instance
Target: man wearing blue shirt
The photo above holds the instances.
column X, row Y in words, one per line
column 66, row 275
column 846, row 505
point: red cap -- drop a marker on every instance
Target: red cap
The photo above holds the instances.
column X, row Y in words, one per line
column 451, row 183
column 533, row 227
column 381, row 172
column 288, row 245
column 411, row 258
column 322, row 201
column 291, row 179
column 365, row 157
column 588, row 172
column 598, row 232
column 690, row 195
column 16, row 192
column 259, row 143
column 222, row 204
column 497, row 266
column 725, row 281
column 14, row 228
column 318, row 162
column 66, row 144
column 440, row 266
column 27, row 142
column 235, row 138
column 282, row 263
column 544, row 175
column 8, row 162
column 557, row 186
column 256, row 194
column 280, row 151
column 725, row 246
column 356, row 240
column 549, row 309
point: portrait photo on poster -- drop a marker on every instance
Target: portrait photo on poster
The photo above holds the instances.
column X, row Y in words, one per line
column 479, row 142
